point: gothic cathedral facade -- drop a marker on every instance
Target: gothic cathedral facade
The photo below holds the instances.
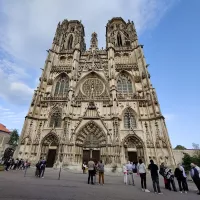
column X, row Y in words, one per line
column 96, row 103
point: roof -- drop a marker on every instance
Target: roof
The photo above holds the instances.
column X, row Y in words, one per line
column 4, row 129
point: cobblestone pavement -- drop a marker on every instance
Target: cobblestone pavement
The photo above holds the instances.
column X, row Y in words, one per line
column 73, row 186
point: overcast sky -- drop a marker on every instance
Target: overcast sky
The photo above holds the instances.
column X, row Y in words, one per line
column 169, row 29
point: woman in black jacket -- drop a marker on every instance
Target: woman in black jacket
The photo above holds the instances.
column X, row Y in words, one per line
column 181, row 179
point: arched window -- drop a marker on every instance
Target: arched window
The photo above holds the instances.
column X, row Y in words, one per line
column 55, row 120
column 119, row 40
column 129, row 119
column 70, row 42
column 61, row 86
column 124, row 84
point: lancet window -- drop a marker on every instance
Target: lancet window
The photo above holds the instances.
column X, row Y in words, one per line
column 119, row 40
column 70, row 42
column 61, row 86
column 129, row 119
column 124, row 84
column 56, row 119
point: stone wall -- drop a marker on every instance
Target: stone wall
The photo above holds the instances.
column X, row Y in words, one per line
column 179, row 154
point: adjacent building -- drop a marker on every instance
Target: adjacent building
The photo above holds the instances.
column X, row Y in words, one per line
column 97, row 103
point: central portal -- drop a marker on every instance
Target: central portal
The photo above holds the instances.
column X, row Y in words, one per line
column 94, row 154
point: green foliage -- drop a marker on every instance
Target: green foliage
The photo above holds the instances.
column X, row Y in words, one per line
column 187, row 160
column 14, row 138
column 180, row 147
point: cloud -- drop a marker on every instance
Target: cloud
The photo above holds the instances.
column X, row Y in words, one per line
column 29, row 26
column 12, row 88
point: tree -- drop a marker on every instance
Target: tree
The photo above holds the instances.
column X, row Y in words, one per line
column 14, row 137
column 180, row 147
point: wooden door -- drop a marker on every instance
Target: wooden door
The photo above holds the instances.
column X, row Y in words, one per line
column 51, row 157
column 96, row 155
column 86, row 156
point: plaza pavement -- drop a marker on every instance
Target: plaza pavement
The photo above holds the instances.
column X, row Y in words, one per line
column 73, row 186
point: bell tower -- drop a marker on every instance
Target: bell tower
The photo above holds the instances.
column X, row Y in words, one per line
column 121, row 34
column 69, row 36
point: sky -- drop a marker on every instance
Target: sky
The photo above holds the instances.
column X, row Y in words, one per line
column 168, row 29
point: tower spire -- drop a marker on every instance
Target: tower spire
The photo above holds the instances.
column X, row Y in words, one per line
column 94, row 41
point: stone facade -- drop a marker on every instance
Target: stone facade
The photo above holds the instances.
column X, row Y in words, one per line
column 96, row 103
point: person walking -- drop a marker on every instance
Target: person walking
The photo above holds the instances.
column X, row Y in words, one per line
column 101, row 172
column 142, row 173
column 185, row 177
column 91, row 169
column 125, row 173
column 170, row 179
column 195, row 176
column 84, row 167
column 42, row 167
column 129, row 168
column 180, row 178
column 154, row 176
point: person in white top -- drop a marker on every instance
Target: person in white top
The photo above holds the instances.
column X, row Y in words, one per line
column 129, row 168
column 125, row 173
column 142, row 172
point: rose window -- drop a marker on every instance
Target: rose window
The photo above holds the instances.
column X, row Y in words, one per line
column 93, row 87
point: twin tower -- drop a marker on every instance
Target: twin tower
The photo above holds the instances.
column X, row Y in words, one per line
column 95, row 103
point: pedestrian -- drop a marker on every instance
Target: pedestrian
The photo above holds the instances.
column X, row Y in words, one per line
column 84, row 167
column 162, row 172
column 129, row 168
column 142, row 173
column 16, row 164
column 180, row 178
column 154, row 176
column 7, row 163
column 170, row 179
column 37, row 171
column 125, row 173
column 195, row 176
column 91, row 170
column 101, row 172
column 185, row 177
column 42, row 167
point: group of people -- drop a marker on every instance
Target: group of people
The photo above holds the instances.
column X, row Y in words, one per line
column 94, row 168
column 40, row 168
column 15, row 164
column 169, row 177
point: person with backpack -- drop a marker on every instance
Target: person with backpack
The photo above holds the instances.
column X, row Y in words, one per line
column 195, row 175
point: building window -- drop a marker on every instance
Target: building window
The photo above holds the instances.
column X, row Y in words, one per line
column 56, row 119
column 124, row 84
column 129, row 119
column 70, row 42
column 62, row 86
column 119, row 40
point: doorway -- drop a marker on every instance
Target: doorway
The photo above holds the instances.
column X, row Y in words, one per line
column 51, row 157
column 86, row 156
column 96, row 155
column 132, row 156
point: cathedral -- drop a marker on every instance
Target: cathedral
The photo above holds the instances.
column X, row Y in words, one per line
column 95, row 103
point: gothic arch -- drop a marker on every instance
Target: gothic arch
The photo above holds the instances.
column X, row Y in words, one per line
column 129, row 118
column 51, row 139
column 91, row 135
column 90, row 75
column 119, row 39
column 61, row 85
column 70, row 42
column 133, row 141
column 125, row 83
column 55, row 117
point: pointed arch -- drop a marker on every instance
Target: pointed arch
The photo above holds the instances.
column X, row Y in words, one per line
column 55, row 118
column 91, row 135
column 51, row 139
column 124, row 83
column 129, row 118
column 119, row 39
column 61, row 85
column 70, row 42
column 131, row 141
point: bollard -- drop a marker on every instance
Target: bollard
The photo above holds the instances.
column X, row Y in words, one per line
column 25, row 171
column 59, row 174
